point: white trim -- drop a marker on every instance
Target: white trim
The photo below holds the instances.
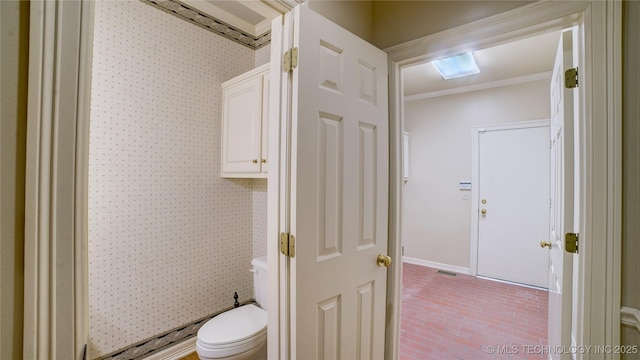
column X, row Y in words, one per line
column 599, row 258
column 396, row 156
column 511, row 283
column 483, row 86
column 277, row 336
column 436, row 265
column 516, row 24
column 475, row 178
column 176, row 351
column 630, row 317
column 283, row 6
column 82, row 175
column 55, row 312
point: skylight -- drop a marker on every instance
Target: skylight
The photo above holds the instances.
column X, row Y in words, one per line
column 456, row 66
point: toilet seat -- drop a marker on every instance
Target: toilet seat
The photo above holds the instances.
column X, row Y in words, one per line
column 233, row 332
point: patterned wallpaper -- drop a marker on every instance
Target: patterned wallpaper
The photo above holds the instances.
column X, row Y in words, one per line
column 259, row 217
column 169, row 239
column 260, row 186
column 262, row 55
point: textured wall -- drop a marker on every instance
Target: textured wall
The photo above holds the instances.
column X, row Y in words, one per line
column 262, row 55
column 169, row 239
column 259, row 197
column 259, row 217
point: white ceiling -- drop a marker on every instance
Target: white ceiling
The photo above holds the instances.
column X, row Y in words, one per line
column 530, row 58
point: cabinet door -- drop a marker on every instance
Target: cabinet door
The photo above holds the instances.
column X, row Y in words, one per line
column 241, row 128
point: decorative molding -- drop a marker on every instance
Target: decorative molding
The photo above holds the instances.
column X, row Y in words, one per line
column 483, row 86
column 436, row 265
column 630, row 317
column 208, row 22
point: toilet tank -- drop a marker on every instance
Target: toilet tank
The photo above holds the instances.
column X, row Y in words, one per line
column 260, row 280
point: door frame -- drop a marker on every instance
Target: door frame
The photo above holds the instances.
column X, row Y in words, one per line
column 56, row 299
column 599, row 25
column 475, row 177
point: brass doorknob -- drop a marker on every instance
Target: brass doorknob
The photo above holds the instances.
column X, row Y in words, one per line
column 383, row 260
column 255, row 161
column 483, row 211
column 545, row 244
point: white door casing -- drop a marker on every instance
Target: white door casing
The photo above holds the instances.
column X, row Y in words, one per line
column 562, row 199
column 339, row 192
column 513, row 216
column 598, row 175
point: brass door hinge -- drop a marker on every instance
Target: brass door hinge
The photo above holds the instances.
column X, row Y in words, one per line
column 290, row 60
column 287, row 245
column 571, row 78
column 571, row 242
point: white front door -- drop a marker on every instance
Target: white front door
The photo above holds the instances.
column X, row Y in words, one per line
column 339, row 156
column 513, row 185
column 562, row 199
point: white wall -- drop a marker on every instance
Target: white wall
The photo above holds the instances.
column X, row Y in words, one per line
column 436, row 221
column 169, row 239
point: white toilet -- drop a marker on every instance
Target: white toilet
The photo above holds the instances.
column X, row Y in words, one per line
column 240, row 333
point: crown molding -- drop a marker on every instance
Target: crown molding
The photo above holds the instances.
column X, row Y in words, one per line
column 481, row 86
column 208, row 22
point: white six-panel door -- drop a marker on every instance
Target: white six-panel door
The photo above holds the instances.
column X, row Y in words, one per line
column 513, row 167
column 339, row 192
column 562, row 200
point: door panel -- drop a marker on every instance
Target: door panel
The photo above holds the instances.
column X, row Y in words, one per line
column 339, row 192
column 562, row 195
column 514, row 193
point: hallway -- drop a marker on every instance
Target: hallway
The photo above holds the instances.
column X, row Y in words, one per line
column 462, row 317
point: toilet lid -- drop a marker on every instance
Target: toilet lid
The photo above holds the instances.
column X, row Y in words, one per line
column 233, row 326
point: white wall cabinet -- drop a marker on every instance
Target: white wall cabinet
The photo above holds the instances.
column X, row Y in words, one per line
column 245, row 116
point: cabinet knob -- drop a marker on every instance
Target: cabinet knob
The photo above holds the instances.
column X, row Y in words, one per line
column 255, row 161
column 263, row 161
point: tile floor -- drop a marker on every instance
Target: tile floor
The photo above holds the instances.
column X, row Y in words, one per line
column 460, row 317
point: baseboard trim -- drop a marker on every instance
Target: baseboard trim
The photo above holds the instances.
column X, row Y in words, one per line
column 630, row 317
column 436, row 265
column 176, row 351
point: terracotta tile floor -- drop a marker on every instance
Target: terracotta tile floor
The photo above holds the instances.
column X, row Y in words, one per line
column 459, row 317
